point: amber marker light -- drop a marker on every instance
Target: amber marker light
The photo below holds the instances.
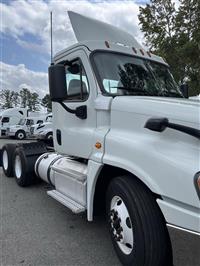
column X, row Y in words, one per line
column 197, row 183
column 134, row 50
column 98, row 145
column 107, row 44
column 149, row 54
column 141, row 51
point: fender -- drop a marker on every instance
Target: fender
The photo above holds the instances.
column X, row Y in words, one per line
column 160, row 161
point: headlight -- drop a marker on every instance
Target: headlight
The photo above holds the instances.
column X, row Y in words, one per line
column 197, row 183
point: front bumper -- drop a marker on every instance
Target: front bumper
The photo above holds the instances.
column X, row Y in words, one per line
column 185, row 246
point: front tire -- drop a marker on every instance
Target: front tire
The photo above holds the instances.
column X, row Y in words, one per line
column 137, row 227
column 49, row 136
column 20, row 134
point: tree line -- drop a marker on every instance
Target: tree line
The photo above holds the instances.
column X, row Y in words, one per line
column 23, row 98
column 174, row 34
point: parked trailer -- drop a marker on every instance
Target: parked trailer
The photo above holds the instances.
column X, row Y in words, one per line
column 126, row 142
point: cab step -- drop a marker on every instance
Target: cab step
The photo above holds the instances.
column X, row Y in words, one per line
column 66, row 201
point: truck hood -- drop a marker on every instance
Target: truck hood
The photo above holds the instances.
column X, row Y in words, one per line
column 15, row 127
column 183, row 111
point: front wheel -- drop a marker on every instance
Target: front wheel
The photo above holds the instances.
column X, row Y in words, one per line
column 137, row 227
column 20, row 134
column 49, row 136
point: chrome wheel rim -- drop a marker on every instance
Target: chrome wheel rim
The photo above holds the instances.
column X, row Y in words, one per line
column 50, row 137
column 5, row 159
column 121, row 225
column 20, row 135
column 18, row 166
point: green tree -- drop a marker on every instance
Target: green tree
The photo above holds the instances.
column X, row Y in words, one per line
column 29, row 99
column 8, row 98
column 24, row 95
column 188, row 41
column 174, row 35
column 46, row 102
column 157, row 21
column 15, row 99
column 33, row 100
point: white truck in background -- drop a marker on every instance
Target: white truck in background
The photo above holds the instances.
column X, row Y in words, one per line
column 126, row 142
column 195, row 98
column 43, row 131
column 11, row 117
column 22, row 129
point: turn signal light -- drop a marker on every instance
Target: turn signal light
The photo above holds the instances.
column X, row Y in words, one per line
column 197, row 183
column 149, row 54
column 98, row 145
column 141, row 51
column 107, row 44
column 134, row 50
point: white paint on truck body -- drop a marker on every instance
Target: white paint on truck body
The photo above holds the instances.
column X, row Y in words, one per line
column 166, row 162
column 114, row 133
column 10, row 117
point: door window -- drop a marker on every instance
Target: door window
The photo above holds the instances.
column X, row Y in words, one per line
column 29, row 122
column 39, row 122
column 5, row 119
column 77, row 83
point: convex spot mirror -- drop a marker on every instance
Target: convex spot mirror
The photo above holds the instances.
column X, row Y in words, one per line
column 57, row 83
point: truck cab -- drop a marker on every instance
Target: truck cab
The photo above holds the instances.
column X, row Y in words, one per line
column 11, row 117
column 126, row 142
column 22, row 129
column 44, row 130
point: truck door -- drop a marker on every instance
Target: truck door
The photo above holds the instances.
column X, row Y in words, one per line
column 72, row 135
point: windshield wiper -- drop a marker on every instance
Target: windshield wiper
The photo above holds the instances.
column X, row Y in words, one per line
column 167, row 93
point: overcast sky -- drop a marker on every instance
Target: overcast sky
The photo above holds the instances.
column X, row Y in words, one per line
column 25, row 37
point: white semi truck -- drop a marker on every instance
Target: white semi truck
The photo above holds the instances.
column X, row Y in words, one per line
column 10, row 117
column 126, row 142
column 22, row 129
column 44, row 130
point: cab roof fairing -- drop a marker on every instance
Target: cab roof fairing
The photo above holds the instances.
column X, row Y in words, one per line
column 93, row 34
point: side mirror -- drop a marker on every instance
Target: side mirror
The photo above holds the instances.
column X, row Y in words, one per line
column 57, row 83
column 185, row 90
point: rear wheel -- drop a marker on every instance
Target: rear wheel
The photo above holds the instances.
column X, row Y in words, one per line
column 137, row 227
column 20, row 134
column 23, row 168
column 7, row 159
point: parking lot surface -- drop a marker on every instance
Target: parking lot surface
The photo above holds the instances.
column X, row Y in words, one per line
column 36, row 230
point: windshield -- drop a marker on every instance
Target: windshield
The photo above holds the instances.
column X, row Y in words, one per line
column 22, row 122
column 49, row 119
column 127, row 75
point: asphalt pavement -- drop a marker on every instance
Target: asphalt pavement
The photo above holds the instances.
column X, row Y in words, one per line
column 36, row 230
